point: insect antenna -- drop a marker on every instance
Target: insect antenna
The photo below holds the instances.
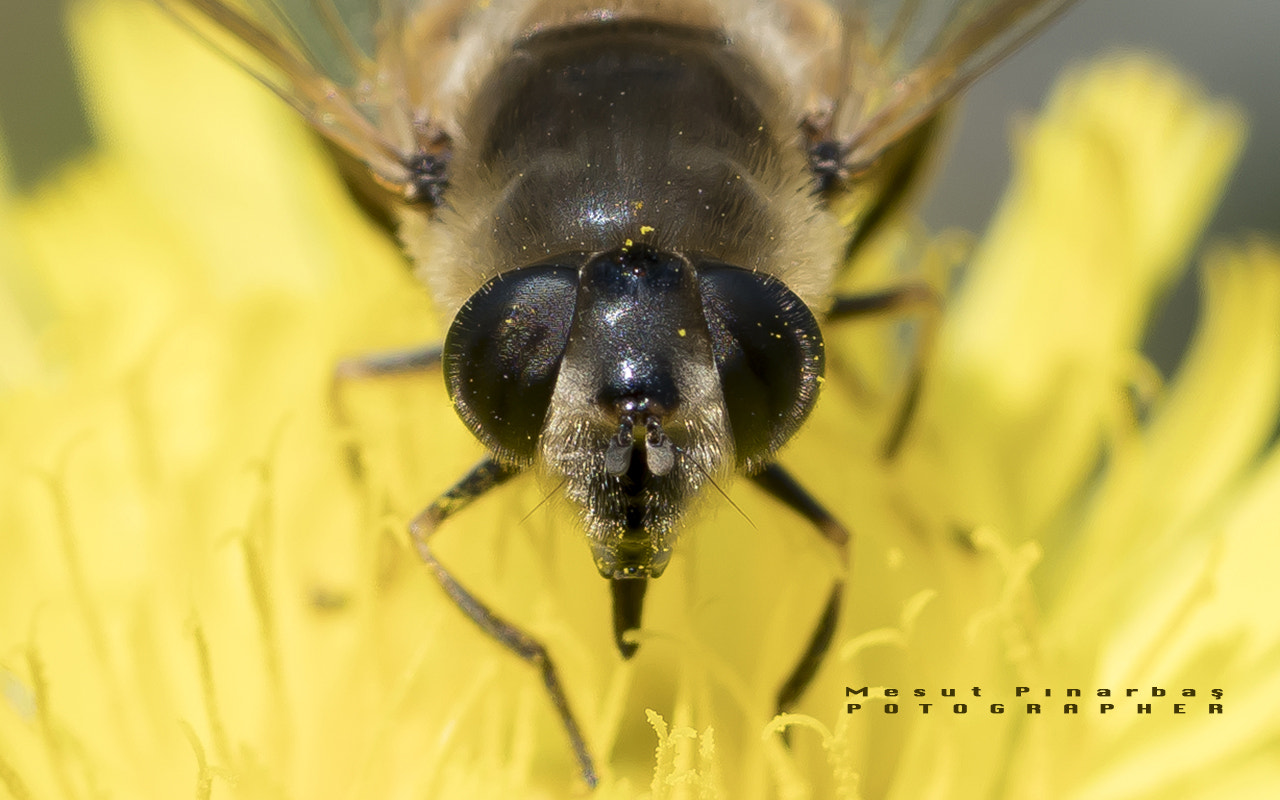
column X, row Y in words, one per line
column 546, row 498
column 682, row 452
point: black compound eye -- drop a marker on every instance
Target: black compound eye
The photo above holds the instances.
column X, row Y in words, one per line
column 768, row 351
column 502, row 355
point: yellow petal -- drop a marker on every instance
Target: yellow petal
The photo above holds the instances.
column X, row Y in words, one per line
column 200, row 596
column 1111, row 187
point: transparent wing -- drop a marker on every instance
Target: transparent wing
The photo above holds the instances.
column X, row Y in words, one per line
column 342, row 65
column 338, row 63
column 905, row 58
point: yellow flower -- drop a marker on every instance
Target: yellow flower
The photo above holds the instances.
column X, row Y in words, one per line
column 200, row 597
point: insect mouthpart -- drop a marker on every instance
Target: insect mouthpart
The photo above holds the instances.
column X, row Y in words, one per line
column 637, row 385
column 637, row 459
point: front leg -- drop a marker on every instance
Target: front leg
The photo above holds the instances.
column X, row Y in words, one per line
column 487, row 475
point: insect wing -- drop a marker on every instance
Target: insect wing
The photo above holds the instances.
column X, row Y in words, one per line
column 323, row 58
column 342, row 65
column 905, row 58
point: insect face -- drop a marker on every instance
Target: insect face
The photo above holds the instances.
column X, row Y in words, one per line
column 633, row 380
column 633, row 212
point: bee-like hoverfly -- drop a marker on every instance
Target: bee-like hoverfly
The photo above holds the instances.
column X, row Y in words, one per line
column 633, row 213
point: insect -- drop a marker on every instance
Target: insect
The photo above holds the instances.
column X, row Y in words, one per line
column 633, row 213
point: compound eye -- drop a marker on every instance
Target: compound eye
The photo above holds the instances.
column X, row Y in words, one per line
column 502, row 355
column 768, row 351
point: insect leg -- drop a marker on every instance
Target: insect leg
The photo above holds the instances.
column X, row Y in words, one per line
column 900, row 173
column 896, row 174
column 781, row 486
column 917, row 298
column 394, row 362
column 374, row 365
column 487, row 475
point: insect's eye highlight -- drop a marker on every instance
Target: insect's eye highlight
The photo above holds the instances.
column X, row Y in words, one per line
column 769, row 353
column 502, row 355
